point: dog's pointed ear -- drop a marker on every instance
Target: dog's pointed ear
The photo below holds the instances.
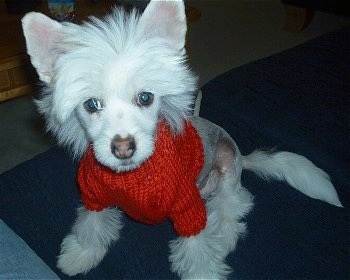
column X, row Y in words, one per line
column 42, row 34
column 166, row 19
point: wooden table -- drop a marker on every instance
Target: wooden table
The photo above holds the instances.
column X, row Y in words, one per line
column 17, row 76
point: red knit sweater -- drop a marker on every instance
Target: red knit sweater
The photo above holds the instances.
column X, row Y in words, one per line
column 163, row 187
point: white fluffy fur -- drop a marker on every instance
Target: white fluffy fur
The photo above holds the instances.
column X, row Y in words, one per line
column 113, row 60
column 87, row 244
column 297, row 170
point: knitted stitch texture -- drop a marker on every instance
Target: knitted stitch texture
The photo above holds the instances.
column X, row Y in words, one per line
column 163, row 187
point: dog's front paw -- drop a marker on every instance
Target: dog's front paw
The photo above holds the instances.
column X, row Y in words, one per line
column 75, row 259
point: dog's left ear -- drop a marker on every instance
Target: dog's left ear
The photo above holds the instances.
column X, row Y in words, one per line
column 42, row 35
column 167, row 20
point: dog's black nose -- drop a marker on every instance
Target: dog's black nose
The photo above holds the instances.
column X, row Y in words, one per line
column 123, row 148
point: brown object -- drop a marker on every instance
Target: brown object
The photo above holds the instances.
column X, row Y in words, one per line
column 297, row 18
column 17, row 76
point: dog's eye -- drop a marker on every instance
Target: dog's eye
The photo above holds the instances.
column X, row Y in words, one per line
column 93, row 105
column 144, row 98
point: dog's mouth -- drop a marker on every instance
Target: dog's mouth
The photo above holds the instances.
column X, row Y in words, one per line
column 127, row 162
column 127, row 165
column 118, row 165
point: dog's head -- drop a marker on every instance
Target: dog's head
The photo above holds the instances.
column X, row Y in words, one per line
column 108, row 82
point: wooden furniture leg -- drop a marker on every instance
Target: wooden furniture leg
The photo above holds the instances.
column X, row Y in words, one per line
column 296, row 18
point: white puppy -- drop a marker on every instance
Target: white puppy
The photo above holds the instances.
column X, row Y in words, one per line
column 108, row 85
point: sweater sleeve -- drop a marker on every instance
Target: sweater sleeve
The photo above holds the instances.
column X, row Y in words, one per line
column 90, row 203
column 87, row 183
column 189, row 215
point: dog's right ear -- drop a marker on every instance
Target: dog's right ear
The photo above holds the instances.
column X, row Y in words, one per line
column 166, row 19
column 42, row 34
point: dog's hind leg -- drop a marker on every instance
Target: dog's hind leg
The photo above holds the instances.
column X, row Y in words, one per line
column 226, row 210
column 87, row 244
column 203, row 256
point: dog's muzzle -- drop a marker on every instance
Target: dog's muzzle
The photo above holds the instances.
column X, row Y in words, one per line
column 123, row 148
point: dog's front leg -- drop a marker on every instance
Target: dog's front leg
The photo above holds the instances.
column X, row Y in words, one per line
column 203, row 256
column 198, row 257
column 87, row 244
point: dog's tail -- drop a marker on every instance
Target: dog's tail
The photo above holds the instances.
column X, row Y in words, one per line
column 298, row 171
